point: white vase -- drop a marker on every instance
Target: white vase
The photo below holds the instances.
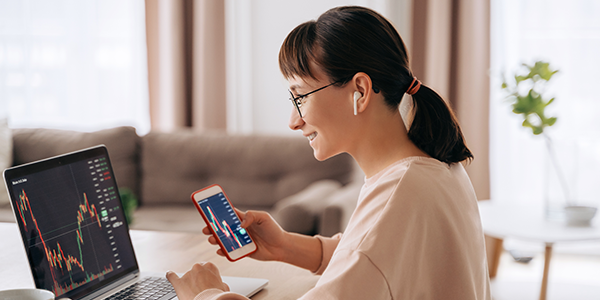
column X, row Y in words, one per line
column 572, row 179
column 560, row 169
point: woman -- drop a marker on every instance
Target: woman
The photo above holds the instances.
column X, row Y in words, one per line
column 416, row 232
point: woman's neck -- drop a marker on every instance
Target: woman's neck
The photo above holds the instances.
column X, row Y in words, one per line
column 385, row 141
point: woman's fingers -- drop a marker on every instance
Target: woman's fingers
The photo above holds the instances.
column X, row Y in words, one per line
column 201, row 277
column 206, row 231
column 211, row 237
column 212, row 240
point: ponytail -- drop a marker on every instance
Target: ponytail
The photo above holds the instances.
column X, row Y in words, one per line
column 435, row 130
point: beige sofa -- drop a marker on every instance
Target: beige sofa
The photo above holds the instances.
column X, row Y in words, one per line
column 274, row 173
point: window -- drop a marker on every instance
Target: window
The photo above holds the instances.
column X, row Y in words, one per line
column 568, row 36
column 73, row 64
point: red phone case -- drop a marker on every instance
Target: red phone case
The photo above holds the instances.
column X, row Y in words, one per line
column 210, row 227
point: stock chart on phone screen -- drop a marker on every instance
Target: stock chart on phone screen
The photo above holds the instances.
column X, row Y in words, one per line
column 71, row 215
column 224, row 222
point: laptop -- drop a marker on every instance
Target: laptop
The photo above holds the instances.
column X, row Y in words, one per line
column 75, row 234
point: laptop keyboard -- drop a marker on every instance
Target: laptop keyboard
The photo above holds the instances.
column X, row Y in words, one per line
column 153, row 288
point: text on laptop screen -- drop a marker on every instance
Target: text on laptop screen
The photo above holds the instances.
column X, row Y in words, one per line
column 74, row 225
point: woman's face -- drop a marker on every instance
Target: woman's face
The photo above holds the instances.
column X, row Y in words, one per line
column 326, row 114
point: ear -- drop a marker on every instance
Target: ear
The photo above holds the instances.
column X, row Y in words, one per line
column 363, row 84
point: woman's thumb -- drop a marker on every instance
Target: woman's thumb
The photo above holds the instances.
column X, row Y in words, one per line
column 247, row 219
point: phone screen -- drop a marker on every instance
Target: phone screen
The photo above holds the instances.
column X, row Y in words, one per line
column 224, row 222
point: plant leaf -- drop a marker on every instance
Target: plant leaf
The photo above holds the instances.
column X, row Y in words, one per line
column 531, row 106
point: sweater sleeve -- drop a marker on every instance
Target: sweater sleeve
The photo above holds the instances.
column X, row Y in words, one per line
column 216, row 294
column 328, row 246
column 350, row 275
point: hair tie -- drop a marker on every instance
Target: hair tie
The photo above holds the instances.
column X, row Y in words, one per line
column 414, row 86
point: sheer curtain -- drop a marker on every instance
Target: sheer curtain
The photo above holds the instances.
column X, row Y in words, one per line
column 568, row 36
column 73, row 64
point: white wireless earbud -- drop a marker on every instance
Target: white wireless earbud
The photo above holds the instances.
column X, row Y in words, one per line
column 357, row 95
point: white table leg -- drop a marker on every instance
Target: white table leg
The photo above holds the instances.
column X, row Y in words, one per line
column 547, row 258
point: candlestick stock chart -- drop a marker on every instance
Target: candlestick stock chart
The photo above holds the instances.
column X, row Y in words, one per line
column 64, row 262
column 221, row 219
column 67, row 220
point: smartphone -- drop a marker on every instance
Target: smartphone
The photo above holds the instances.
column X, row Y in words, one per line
column 223, row 222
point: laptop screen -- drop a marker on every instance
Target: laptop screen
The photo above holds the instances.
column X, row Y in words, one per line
column 73, row 227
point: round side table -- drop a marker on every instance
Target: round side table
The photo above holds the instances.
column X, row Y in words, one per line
column 501, row 221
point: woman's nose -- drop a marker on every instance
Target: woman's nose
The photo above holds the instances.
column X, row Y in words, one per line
column 295, row 122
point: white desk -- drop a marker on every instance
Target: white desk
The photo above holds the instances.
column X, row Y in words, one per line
column 528, row 223
column 162, row 251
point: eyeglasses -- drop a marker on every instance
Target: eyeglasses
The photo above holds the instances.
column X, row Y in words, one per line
column 299, row 100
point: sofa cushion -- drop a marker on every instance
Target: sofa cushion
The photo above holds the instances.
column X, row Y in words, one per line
column 168, row 218
column 254, row 170
column 122, row 144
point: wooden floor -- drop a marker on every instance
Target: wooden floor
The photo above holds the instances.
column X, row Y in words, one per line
column 574, row 275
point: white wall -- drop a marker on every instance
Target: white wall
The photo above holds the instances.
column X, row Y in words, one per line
column 257, row 97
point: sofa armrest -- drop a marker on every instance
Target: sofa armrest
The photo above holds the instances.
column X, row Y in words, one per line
column 338, row 209
column 300, row 212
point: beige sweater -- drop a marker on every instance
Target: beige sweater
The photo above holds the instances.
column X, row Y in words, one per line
column 415, row 234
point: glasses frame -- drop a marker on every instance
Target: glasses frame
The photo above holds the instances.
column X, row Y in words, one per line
column 297, row 101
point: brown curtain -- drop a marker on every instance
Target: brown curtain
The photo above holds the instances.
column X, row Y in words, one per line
column 186, row 64
column 451, row 54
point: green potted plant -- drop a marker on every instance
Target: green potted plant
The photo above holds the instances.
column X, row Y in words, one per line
column 129, row 203
column 526, row 93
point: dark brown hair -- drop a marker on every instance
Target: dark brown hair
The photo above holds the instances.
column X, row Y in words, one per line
column 350, row 39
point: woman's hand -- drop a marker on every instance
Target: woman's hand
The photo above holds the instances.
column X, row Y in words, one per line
column 201, row 277
column 274, row 243
column 270, row 238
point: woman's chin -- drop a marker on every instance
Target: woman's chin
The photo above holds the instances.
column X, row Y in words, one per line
column 321, row 155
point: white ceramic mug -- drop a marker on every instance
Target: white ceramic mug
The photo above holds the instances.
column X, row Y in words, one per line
column 26, row 294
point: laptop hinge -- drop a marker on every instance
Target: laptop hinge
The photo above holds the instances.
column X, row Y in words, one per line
column 113, row 287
